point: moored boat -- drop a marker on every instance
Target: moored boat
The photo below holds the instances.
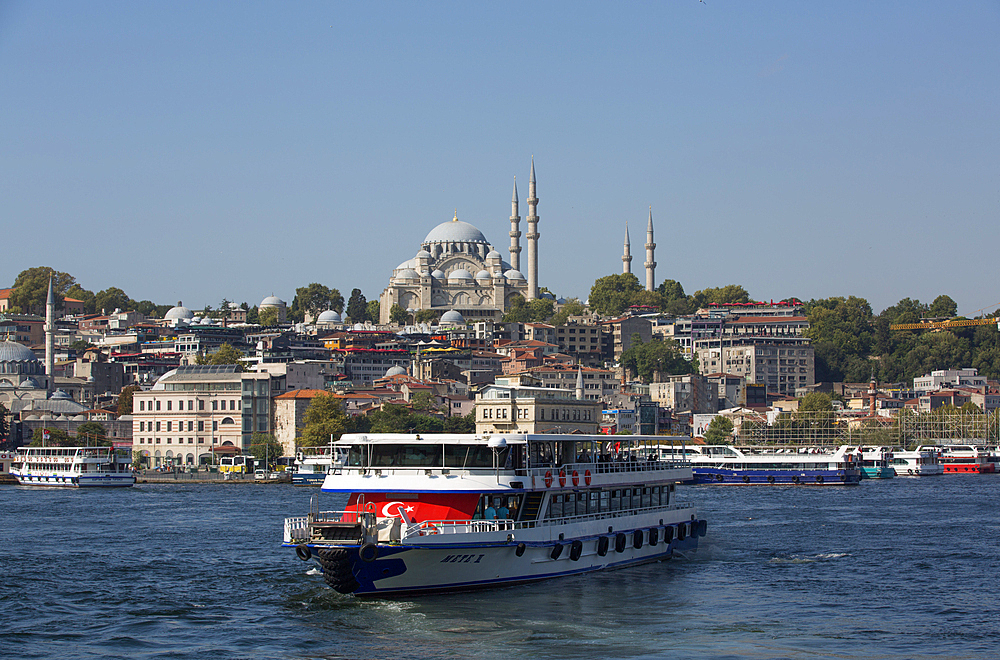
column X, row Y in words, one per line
column 962, row 459
column 919, row 463
column 875, row 462
column 73, row 467
column 799, row 466
column 452, row 512
column 313, row 463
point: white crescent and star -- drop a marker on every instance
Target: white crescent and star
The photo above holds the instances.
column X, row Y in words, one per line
column 399, row 506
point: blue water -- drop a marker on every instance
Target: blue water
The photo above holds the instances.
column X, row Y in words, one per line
column 902, row 568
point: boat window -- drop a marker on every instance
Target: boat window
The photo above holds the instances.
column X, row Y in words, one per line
column 473, row 456
column 605, row 500
column 595, row 502
column 556, row 506
column 626, row 499
column 541, row 454
column 616, row 499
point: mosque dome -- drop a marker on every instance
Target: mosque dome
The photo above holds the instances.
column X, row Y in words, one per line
column 79, row 418
column 455, row 231
column 60, row 394
column 451, row 317
column 482, row 275
column 460, row 274
column 272, row 301
column 11, row 351
column 423, row 254
column 409, row 263
column 513, row 275
column 29, row 383
column 493, row 254
column 46, row 417
column 408, row 274
column 329, row 316
column 395, row 371
column 179, row 312
column 438, row 274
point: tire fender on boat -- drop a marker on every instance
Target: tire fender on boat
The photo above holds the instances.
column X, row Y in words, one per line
column 303, row 552
column 556, row 551
column 681, row 531
column 620, row 542
column 368, row 552
column 637, row 539
column 603, row 544
column 770, row 479
column 654, row 535
column 520, row 549
column 819, row 478
column 575, row 550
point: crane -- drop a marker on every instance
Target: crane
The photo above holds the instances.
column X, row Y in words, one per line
column 950, row 323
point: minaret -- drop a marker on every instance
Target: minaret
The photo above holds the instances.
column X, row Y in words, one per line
column 50, row 335
column 627, row 256
column 650, row 246
column 532, row 236
column 515, row 232
column 579, row 382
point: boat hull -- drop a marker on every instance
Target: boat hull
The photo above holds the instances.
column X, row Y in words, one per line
column 308, row 478
column 772, row 477
column 81, row 481
column 396, row 570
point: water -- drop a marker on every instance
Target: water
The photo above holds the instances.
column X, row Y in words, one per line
column 902, row 568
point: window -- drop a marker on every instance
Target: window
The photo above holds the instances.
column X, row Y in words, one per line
column 201, row 404
column 168, row 426
column 157, row 426
column 201, row 425
column 142, row 405
column 190, row 425
column 157, row 405
column 215, row 405
column 142, row 426
column 190, row 404
column 215, row 426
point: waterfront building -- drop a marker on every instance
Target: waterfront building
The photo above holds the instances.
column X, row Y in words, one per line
column 510, row 406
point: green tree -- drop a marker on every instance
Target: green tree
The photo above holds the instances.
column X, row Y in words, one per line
column 572, row 307
column 125, row 399
column 517, row 310
column 720, row 430
column 268, row 317
column 943, row 307
column 394, row 418
column 673, row 299
column 612, row 295
column 57, row 438
column 645, row 360
column 92, row 434
column 264, row 446
column 227, row 354
column 357, row 307
column 253, row 315
column 316, row 299
column 324, row 418
column 731, row 293
column 372, row 312
column 427, row 316
column 111, row 299
column 81, row 345
column 398, row 315
column 31, row 288
column 77, row 292
column 461, row 423
column 423, row 401
column 145, row 307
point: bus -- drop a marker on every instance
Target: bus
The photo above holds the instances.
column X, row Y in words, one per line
column 238, row 464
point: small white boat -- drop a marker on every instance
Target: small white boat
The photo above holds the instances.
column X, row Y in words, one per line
column 916, row 463
column 73, row 467
column 312, row 464
column 798, row 466
column 453, row 512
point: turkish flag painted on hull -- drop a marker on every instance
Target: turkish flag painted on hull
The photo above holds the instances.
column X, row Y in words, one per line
column 417, row 507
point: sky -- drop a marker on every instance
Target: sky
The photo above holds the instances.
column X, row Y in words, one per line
column 208, row 150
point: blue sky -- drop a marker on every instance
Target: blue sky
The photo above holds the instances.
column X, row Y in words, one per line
column 196, row 151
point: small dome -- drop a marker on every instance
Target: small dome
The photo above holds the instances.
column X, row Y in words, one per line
column 30, row 383
column 79, row 418
column 409, row 263
column 45, row 417
column 451, row 317
column 196, row 320
column 423, row 254
column 272, row 300
column 60, row 394
column 11, row 351
column 438, row 274
column 493, row 254
column 395, row 371
column 460, row 274
column 177, row 313
column 329, row 316
column 482, row 275
column 455, row 231
column 513, row 275
column 408, row 274
column 548, row 295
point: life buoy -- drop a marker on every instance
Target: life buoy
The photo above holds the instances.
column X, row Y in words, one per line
column 602, row 546
column 520, row 549
column 548, row 478
column 562, row 477
column 368, row 552
column 586, row 477
column 556, row 551
column 637, row 539
column 576, row 478
column 770, row 479
column 428, row 528
column 620, row 542
column 303, row 552
column 575, row 550
column 654, row 535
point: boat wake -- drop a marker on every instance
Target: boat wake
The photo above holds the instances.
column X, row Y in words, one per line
column 809, row 559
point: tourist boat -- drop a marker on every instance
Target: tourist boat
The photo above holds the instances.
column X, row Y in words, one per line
column 313, row 463
column 875, row 462
column 454, row 512
column 962, row 459
column 73, row 467
column 920, row 463
column 729, row 465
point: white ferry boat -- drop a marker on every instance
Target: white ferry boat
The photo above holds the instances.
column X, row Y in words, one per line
column 963, row 459
column 313, row 463
column 73, row 467
column 729, row 465
column 916, row 463
column 453, row 512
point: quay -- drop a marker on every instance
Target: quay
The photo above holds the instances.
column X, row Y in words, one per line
column 202, row 477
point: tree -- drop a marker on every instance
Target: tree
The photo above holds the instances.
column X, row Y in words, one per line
column 658, row 356
column 673, row 299
column 461, row 423
column 316, row 299
column 423, row 401
column 517, row 310
column 731, row 293
column 719, row 431
column 398, row 315
column 253, row 316
column 394, row 418
column 324, row 419
column 268, row 317
column 572, row 307
column 92, row 433
column 81, row 345
column 373, row 311
column 31, row 288
column 227, row 354
column 611, row 295
column 77, row 292
column 264, row 446
column 111, row 299
column 357, row 307
column 427, row 316
column 125, row 399
column 57, row 438
column 943, row 307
